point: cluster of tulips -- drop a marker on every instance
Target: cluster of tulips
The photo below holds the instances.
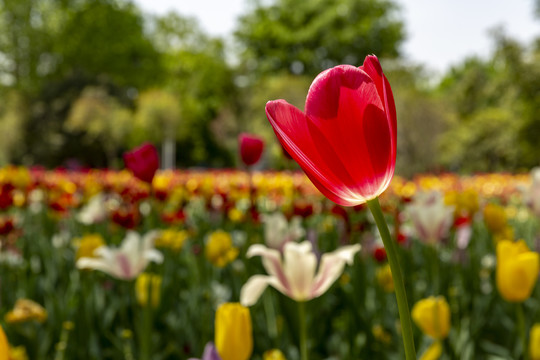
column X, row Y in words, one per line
column 346, row 261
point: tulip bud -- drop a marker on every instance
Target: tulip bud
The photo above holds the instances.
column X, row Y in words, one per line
column 4, row 347
column 517, row 270
column 143, row 162
column 148, row 286
column 534, row 342
column 251, row 148
column 432, row 315
column 234, row 338
column 273, row 354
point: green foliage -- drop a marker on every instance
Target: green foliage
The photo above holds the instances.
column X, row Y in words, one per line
column 307, row 37
column 494, row 110
column 100, row 118
column 106, row 38
column 202, row 81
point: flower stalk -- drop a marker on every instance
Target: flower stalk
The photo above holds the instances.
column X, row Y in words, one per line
column 302, row 330
column 401, row 296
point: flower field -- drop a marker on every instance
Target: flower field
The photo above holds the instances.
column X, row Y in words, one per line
column 101, row 265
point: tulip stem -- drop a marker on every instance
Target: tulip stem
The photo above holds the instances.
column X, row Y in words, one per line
column 522, row 330
column 393, row 260
column 302, row 327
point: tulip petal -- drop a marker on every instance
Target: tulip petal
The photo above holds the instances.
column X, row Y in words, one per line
column 300, row 264
column 255, row 286
column 293, row 130
column 331, row 268
column 272, row 263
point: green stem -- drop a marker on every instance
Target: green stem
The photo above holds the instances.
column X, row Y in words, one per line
column 401, row 296
column 302, row 327
column 270, row 318
column 522, row 330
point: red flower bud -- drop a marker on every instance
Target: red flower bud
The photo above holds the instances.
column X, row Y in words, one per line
column 251, row 148
column 143, row 162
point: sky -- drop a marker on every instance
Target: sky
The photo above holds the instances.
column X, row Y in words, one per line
column 440, row 33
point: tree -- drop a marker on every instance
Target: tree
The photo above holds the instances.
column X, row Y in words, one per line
column 100, row 118
column 202, row 81
column 158, row 117
column 306, row 37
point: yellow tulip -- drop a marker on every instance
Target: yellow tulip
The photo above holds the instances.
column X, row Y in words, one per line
column 534, row 342
column 219, row 249
column 4, row 347
column 495, row 218
column 432, row 315
column 433, row 352
column 88, row 244
column 517, row 270
column 145, row 284
column 384, row 278
column 26, row 310
column 233, row 338
column 273, row 354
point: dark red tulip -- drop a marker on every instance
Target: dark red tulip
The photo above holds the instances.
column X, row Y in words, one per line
column 251, row 148
column 143, row 162
column 346, row 140
column 379, row 254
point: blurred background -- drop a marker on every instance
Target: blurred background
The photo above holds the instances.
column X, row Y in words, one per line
column 82, row 81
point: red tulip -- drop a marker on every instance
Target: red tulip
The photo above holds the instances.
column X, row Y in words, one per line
column 251, row 148
column 345, row 141
column 143, row 162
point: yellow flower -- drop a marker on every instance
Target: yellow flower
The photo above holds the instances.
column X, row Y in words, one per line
column 505, row 234
column 172, row 239
column 17, row 353
column 87, row 245
column 235, row 215
column 465, row 203
column 534, row 342
column 495, row 218
column 234, row 338
column 384, row 278
column 432, row 315
column 219, row 248
column 433, row 352
column 4, row 347
column 273, row 354
column 26, row 310
column 148, row 283
column 517, row 270
column 381, row 334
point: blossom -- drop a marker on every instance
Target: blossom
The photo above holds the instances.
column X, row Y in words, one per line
column 87, row 245
column 278, row 231
column 534, row 342
column 4, row 347
column 210, row 353
column 148, row 286
column 233, row 333
column 219, row 249
column 126, row 262
column 517, row 270
column 172, row 239
column 384, row 278
column 432, row 315
column 94, row 211
column 294, row 275
column 495, row 218
column 433, row 352
column 345, row 141
column 274, row 354
column 251, row 148
column 430, row 216
column 26, row 310
column 143, row 162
